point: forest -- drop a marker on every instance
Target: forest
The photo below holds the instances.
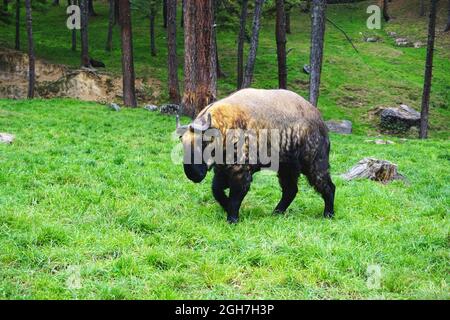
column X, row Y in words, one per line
column 93, row 204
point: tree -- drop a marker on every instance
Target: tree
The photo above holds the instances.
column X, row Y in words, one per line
column 316, row 55
column 91, row 8
column 385, row 11
column 199, row 60
column 219, row 72
column 17, row 46
column 281, row 44
column 5, row 5
column 129, row 92
column 241, row 39
column 182, row 14
column 422, row 8
column 249, row 67
column 447, row 27
column 149, row 9
column 111, row 23
column 165, row 14
column 174, row 89
column 31, row 56
column 428, row 72
column 84, row 34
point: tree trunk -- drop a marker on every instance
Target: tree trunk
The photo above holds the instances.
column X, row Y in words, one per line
column 31, row 57
column 219, row 72
column 129, row 92
column 280, row 34
column 74, row 31
column 385, row 11
column 199, row 60
column 316, row 55
column 56, row 2
column 84, row 34
column 248, row 75
column 182, row 14
column 17, row 46
column 165, row 13
column 5, row 5
column 111, row 23
column 241, row 39
column 447, row 28
column 422, row 8
column 91, row 8
column 288, row 21
column 152, row 34
column 428, row 72
column 174, row 88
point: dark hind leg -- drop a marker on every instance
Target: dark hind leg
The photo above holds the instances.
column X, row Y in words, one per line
column 288, row 177
column 318, row 175
column 219, row 184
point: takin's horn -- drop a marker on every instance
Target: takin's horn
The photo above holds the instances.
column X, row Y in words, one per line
column 200, row 124
column 180, row 129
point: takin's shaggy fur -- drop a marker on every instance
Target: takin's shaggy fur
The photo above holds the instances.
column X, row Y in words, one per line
column 303, row 146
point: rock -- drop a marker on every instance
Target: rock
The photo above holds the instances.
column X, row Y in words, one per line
column 373, row 169
column 170, row 108
column 151, row 107
column 307, row 69
column 380, row 141
column 6, row 138
column 114, row 106
column 402, row 42
column 399, row 119
column 392, row 33
column 372, row 39
column 339, row 126
column 418, row 44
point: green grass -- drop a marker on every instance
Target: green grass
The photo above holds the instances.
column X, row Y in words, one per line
column 352, row 84
column 88, row 192
column 91, row 205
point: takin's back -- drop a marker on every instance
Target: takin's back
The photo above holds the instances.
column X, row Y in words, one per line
column 259, row 108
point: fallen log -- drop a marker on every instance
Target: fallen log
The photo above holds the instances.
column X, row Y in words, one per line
column 370, row 168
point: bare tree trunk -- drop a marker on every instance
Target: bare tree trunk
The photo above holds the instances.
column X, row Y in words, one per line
column 74, row 31
column 31, row 57
column 422, row 8
column 219, row 72
column 280, row 34
column 385, row 11
column 428, row 72
column 129, row 92
column 241, row 39
column 91, row 8
column 111, row 22
column 56, row 2
column 182, row 14
column 316, row 55
column 199, row 60
column 165, row 13
column 17, row 46
column 174, row 88
column 84, row 34
column 447, row 28
column 288, row 21
column 5, row 5
column 248, row 75
column 152, row 33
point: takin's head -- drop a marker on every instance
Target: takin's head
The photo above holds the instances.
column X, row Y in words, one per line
column 191, row 136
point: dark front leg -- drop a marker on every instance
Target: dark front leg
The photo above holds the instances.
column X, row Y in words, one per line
column 239, row 186
column 219, row 184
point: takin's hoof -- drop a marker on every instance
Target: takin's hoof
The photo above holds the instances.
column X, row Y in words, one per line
column 328, row 215
column 232, row 220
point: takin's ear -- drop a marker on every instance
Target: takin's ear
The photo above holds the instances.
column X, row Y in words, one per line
column 201, row 124
column 180, row 129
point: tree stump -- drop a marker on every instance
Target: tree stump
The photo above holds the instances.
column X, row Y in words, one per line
column 370, row 168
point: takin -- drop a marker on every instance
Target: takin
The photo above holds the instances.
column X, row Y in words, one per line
column 303, row 146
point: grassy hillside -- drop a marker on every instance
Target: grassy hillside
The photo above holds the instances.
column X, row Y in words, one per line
column 91, row 206
column 380, row 75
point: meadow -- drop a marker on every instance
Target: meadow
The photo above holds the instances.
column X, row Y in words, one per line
column 92, row 206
